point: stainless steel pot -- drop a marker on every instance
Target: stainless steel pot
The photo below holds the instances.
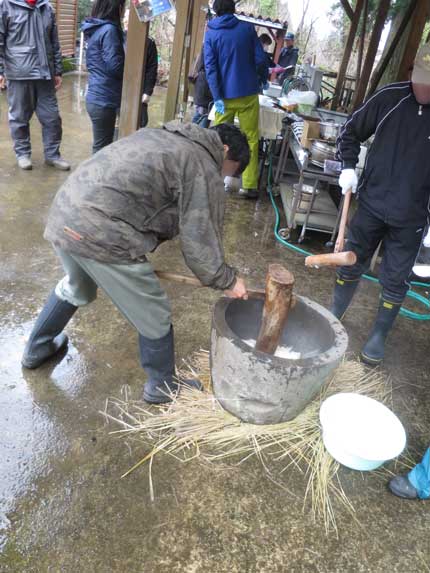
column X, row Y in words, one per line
column 329, row 130
column 306, row 195
column 320, row 151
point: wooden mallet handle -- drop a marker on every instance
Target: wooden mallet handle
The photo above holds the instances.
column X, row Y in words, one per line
column 178, row 278
column 193, row 281
column 340, row 241
column 279, row 296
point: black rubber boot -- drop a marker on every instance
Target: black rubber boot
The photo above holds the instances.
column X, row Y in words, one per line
column 158, row 360
column 342, row 296
column 402, row 487
column 373, row 350
column 46, row 338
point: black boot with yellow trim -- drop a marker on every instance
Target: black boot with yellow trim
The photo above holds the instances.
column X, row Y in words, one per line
column 373, row 350
column 343, row 292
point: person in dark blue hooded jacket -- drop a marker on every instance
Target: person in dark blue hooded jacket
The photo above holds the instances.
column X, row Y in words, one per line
column 105, row 64
column 236, row 65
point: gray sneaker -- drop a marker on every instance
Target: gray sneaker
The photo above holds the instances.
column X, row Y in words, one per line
column 25, row 163
column 58, row 163
column 248, row 193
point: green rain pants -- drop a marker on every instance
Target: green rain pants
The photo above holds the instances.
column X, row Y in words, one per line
column 247, row 111
column 134, row 289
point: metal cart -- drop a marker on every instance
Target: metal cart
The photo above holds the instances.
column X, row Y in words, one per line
column 320, row 214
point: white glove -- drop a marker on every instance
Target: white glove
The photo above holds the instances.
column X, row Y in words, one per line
column 146, row 98
column 348, row 180
column 426, row 241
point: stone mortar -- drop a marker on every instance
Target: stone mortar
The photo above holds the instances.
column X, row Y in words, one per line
column 262, row 389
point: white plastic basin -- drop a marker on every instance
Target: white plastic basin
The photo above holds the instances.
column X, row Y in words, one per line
column 422, row 271
column 359, row 432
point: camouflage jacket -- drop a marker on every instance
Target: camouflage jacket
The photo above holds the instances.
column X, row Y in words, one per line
column 143, row 190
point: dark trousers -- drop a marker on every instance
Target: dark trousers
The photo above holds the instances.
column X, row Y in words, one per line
column 144, row 116
column 26, row 97
column 401, row 246
column 103, row 120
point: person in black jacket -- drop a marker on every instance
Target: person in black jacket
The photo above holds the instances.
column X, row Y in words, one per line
column 264, row 71
column 151, row 72
column 394, row 193
column 288, row 58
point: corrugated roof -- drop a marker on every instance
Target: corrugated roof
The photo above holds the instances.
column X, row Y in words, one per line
column 261, row 21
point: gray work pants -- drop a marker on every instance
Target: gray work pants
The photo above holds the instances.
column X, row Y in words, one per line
column 26, row 97
column 134, row 289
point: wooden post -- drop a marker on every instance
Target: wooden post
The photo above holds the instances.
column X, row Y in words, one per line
column 381, row 17
column 182, row 16
column 134, row 71
column 379, row 72
column 191, row 26
column 347, row 54
column 419, row 18
column 279, row 292
column 198, row 30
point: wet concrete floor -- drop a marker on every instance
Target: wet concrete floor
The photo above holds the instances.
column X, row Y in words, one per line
column 63, row 506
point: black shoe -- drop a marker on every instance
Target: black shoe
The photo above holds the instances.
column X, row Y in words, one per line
column 158, row 360
column 402, row 487
column 373, row 350
column 46, row 338
column 343, row 292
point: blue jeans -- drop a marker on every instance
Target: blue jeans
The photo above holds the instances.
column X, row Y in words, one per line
column 103, row 120
column 201, row 116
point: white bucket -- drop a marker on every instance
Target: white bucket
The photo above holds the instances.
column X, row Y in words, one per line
column 359, row 432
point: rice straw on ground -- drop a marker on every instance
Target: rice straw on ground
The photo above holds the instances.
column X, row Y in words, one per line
column 194, row 425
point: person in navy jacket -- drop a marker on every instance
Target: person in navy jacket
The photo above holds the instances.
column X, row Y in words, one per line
column 105, row 64
column 235, row 64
